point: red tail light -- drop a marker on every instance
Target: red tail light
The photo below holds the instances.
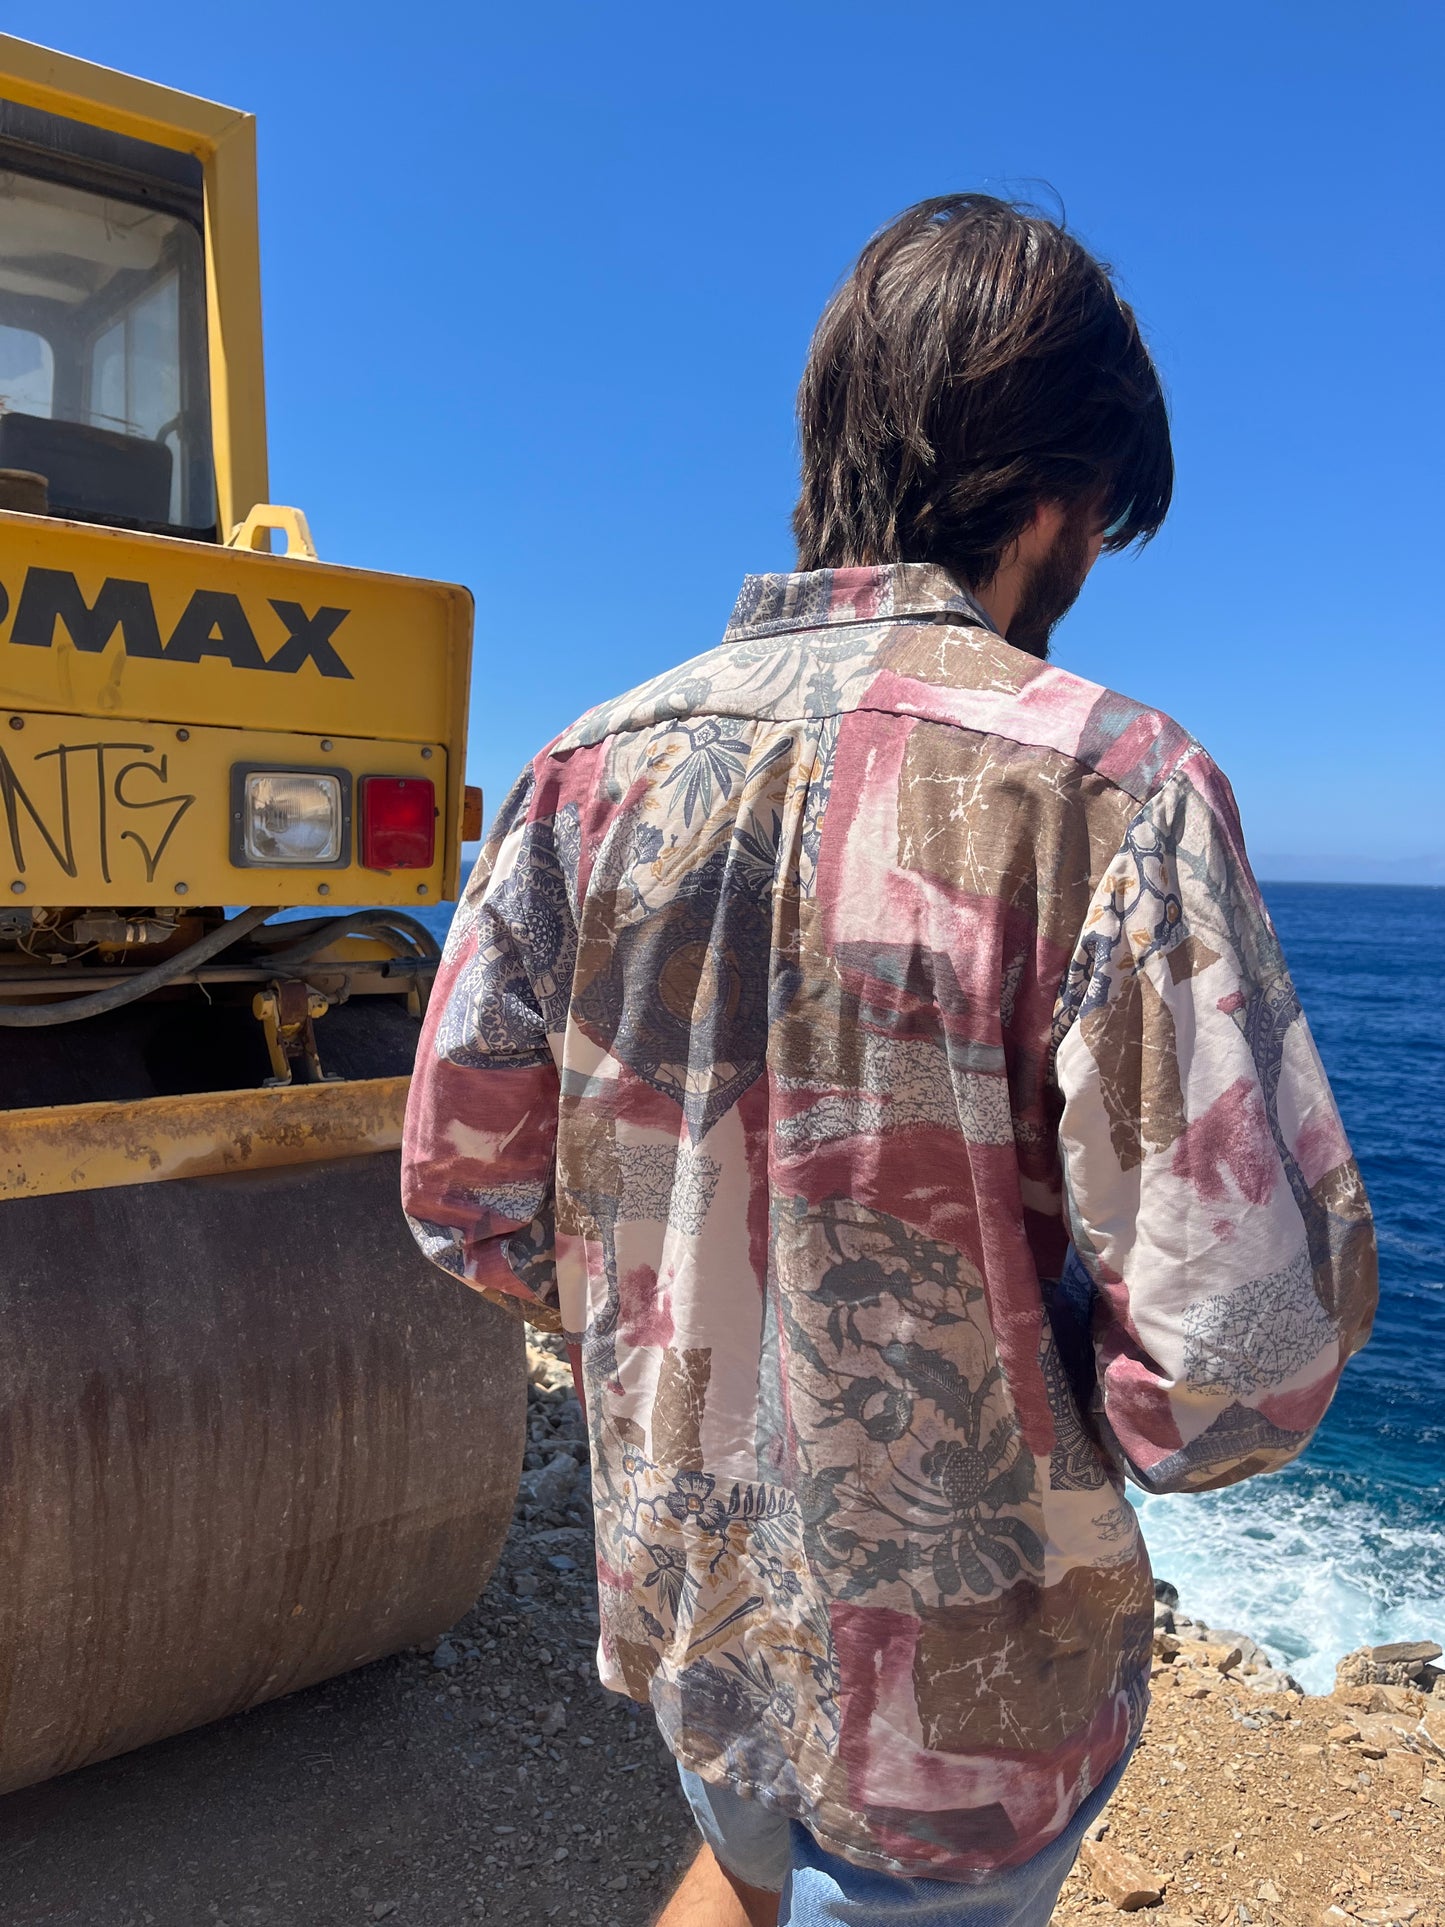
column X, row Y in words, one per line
column 398, row 822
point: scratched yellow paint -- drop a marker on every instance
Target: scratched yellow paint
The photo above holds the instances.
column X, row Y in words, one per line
column 93, row 1147
column 109, row 812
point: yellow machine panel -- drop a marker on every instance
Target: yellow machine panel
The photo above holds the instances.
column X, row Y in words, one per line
column 105, row 622
column 137, row 672
column 262, row 1440
column 117, row 812
column 90, row 1147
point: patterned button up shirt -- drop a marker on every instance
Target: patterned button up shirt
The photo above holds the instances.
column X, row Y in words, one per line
column 868, row 1044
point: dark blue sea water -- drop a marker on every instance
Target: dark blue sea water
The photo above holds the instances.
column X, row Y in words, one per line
column 1347, row 1546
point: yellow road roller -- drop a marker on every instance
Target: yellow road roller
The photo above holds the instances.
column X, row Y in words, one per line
column 248, row 1438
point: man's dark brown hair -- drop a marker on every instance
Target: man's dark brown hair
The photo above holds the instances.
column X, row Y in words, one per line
column 977, row 362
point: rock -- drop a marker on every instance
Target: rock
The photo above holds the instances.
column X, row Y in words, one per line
column 1401, row 1699
column 1268, row 1892
column 1383, row 1729
column 552, row 1721
column 1431, row 1728
column 1397, row 1664
column 1404, row 1650
column 445, row 1656
column 1166, row 1594
column 1342, row 1734
column 1272, row 1680
column 1407, row 1770
column 549, row 1373
column 1364, row 1699
column 1355, row 1669
column 1432, row 1792
column 1119, row 1877
column 1163, row 1619
column 1251, row 1653
column 524, row 1584
column 576, row 1539
column 382, row 1908
column 1206, row 1652
column 1166, row 1646
column 550, row 1485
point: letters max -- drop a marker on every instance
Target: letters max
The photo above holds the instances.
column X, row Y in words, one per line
column 213, row 623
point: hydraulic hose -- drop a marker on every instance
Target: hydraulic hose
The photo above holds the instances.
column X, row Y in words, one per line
column 395, row 924
column 406, row 932
column 39, row 1016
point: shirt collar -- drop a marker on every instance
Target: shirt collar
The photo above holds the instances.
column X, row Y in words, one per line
column 772, row 605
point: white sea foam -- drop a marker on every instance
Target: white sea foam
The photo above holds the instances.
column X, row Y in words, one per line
column 1303, row 1565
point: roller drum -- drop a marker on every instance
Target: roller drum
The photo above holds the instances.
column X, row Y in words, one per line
column 249, row 1439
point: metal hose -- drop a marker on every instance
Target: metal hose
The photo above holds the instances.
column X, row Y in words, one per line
column 39, row 1016
column 403, row 930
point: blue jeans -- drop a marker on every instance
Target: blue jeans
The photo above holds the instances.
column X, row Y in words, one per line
column 818, row 1889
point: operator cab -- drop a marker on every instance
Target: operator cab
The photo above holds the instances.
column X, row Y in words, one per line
column 103, row 343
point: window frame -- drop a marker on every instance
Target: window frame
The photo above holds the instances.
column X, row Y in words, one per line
column 44, row 147
column 96, row 102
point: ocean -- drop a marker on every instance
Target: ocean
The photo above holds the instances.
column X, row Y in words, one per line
column 1347, row 1546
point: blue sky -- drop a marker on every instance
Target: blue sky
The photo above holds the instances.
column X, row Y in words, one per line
column 539, row 282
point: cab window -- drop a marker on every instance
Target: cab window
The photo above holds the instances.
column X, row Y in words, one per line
column 27, row 372
column 103, row 352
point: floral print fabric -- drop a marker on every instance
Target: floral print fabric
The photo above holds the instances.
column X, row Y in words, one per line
column 867, row 1043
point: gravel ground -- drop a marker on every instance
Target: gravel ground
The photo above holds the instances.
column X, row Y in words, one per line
column 489, row 1780
column 1279, row 1812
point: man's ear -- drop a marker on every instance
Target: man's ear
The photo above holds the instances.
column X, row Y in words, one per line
column 999, row 598
column 1039, row 534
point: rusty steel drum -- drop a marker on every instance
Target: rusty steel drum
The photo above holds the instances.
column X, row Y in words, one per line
column 249, row 1439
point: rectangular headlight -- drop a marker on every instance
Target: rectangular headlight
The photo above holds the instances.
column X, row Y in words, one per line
column 289, row 817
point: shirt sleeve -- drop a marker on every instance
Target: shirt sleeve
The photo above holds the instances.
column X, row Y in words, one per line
column 1209, row 1186
column 479, row 1147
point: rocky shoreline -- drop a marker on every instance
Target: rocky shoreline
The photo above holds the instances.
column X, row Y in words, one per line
column 1409, row 1666
column 1251, row 1801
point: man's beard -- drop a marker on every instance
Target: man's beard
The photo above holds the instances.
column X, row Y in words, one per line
column 1053, row 586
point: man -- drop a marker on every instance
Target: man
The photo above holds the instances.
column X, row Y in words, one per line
column 869, row 1046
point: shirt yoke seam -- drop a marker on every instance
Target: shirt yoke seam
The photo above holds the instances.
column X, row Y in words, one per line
column 1143, row 798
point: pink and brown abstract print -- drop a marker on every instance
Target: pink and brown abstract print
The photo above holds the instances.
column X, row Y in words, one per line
column 868, row 1044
